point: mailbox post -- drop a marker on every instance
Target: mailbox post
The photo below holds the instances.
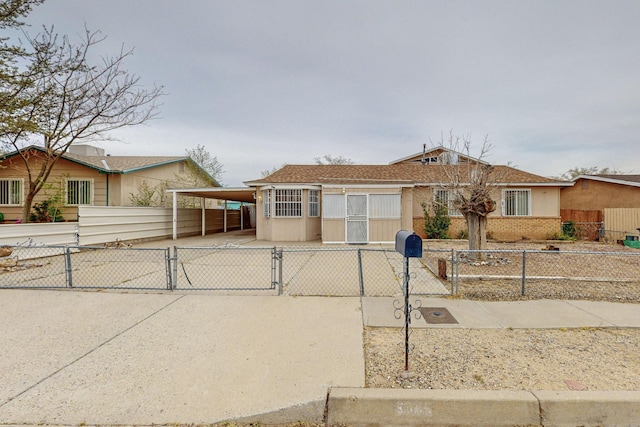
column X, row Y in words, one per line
column 410, row 246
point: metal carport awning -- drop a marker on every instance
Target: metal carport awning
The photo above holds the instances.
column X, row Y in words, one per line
column 237, row 194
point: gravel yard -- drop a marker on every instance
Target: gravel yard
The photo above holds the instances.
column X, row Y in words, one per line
column 521, row 359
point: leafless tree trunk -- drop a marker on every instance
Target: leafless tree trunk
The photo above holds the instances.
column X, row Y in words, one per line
column 470, row 185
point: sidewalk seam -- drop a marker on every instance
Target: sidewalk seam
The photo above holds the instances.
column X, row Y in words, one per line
column 57, row 371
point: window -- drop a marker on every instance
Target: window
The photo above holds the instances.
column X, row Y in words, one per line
column 333, row 206
column 266, row 199
column 79, row 192
column 516, row 203
column 314, row 203
column 288, row 203
column 386, row 206
column 446, row 198
column 11, row 192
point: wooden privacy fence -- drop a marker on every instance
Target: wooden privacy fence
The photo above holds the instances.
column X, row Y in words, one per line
column 588, row 223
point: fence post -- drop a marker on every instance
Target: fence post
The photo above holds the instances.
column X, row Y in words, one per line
column 168, row 268
column 280, row 256
column 524, row 270
column 174, row 284
column 360, row 274
column 67, row 262
column 453, row 273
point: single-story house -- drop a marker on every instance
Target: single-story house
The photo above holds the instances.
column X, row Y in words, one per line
column 598, row 192
column 86, row 176
column 370, row 203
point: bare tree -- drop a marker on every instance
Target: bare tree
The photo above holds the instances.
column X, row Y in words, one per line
column 65, row 99
column 207, row 162
column 470, row 186
column 327, row 159
column 593, row 170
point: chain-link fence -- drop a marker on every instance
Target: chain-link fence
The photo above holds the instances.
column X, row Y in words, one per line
column 83, row 267
column 322, row 271
column 353, row 272
column 513, row 274
column 226, row 268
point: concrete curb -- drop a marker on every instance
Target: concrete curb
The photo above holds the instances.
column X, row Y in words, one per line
column 403, row 407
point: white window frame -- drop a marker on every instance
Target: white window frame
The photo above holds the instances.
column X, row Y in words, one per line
column 287, row 203
column 266, row 200
column 78, row 180
column 10, row 195
column 518, row 210
column 449, row 195
column 314, row 203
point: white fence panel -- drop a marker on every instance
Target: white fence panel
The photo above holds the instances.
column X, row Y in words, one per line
column 49, row 233
column 102, row 224
column 622, row 221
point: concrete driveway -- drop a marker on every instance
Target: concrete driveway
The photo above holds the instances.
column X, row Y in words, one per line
column 117, row 358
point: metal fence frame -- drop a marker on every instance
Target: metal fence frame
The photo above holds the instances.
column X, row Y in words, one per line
column 339, row 271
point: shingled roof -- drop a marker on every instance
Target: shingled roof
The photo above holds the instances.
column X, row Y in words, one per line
column 399, row 173
column 118, row 164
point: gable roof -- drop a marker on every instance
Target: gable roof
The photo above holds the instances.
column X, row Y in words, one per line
column 435, row 152
column 118, row 164
column 631, row 180
column 398, row 173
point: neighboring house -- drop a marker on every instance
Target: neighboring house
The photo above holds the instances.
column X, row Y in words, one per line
column 598, row 192
column 370, row 203
column 86, row 176
column 603, row 206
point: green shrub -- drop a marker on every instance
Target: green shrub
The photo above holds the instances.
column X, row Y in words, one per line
column 436, row 224
column 45, row 211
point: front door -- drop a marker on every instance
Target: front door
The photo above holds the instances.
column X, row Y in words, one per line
column 357, row 220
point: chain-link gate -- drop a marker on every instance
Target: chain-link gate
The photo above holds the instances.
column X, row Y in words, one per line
column 226, row 268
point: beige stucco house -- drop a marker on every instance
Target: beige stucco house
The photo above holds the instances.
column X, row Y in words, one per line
column 370, row 203
column 86, row 176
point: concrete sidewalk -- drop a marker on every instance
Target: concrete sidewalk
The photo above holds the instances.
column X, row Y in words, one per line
column 99, row 358
column 112, row 358
column 534, row 314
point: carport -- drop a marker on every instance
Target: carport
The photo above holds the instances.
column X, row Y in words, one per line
column 244, row 195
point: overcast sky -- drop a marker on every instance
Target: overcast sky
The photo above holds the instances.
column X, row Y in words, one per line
column 555, row 84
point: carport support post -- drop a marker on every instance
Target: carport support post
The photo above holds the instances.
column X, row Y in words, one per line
column 175, row 215
column 225, row 216
column 203, row 205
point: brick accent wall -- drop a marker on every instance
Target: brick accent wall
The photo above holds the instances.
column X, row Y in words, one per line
column 503, row 228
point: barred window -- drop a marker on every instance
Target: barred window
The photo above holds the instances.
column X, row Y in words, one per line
column 79, row 192
column 516, row 202
column 11, row 192
column 314, row 203
column 445, row 198
column 266, row 207
column 288, row 203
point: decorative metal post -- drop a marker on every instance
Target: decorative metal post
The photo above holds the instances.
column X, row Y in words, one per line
column 410, row 246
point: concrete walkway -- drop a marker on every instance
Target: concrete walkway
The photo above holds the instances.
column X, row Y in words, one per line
column 70, row 358
column 112, row 358
column 534, row 314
